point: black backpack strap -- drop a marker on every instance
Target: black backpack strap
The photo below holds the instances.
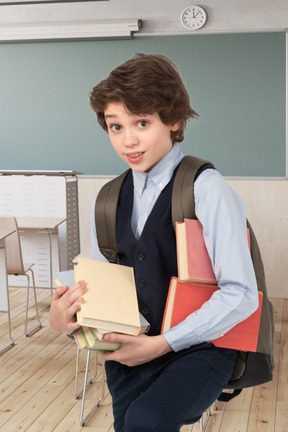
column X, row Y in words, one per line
column 105, row 216
column 226, row 397
column 183, row 205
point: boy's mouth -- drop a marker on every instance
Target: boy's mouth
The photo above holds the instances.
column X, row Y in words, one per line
column 134, row 155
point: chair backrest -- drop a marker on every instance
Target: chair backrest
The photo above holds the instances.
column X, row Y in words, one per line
column 13, row 248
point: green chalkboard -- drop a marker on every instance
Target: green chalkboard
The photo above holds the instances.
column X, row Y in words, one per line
column 236, row 83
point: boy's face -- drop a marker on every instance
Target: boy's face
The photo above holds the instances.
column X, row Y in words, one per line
column 140, row 140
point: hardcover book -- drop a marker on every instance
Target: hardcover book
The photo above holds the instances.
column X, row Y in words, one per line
column 193, row 260
column 110, row 302
column 90, row 337
column 185, row 297
column 86, row 338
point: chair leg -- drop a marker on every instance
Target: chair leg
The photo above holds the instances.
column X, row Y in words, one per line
column 83, row 419
column 79, row 392
column 11, row 343
column 203, row 423
column 39, row 325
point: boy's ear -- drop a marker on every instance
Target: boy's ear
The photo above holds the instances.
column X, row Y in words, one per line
column 174, row 127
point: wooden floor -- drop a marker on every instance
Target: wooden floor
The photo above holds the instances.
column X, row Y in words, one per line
column 37, row 383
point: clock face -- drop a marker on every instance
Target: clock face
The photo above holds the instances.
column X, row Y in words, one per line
column 193, row 17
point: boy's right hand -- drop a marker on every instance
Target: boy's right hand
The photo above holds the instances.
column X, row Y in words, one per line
column 64, row 305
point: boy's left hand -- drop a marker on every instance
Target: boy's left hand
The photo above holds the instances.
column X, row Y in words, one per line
column 136, row 350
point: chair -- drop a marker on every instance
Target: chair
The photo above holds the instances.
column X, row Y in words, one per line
column 87, row 382
column 15, row 265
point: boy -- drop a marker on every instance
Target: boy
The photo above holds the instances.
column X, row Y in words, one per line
column 160, row 382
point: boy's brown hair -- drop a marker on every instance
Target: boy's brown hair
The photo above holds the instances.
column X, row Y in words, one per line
column 146, row 84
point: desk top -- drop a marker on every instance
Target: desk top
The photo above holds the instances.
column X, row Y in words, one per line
column 5, row 232
column 39, row 222
column 41, row 172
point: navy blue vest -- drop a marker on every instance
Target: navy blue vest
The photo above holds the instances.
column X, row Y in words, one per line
column 153, row 256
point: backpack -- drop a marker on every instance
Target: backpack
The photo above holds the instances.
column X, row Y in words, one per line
column 251, row 368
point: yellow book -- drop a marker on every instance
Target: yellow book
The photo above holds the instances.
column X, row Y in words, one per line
column 84, row 336
column 110, row 302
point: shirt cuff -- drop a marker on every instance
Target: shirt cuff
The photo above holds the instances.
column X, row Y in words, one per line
column 181, row 338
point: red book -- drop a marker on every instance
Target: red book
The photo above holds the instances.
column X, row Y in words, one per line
column 193, row 261
column 187, row 297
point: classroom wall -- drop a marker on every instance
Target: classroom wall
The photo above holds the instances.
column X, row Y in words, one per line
column 267, row 210
column 236, row 83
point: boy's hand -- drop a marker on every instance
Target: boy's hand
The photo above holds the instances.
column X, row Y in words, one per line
column 64, row 305
column 136, row 350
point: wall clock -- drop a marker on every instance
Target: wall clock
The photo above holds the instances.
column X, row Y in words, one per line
column 193, row 17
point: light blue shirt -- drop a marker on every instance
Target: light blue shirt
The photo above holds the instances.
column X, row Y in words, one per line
column 222, row 214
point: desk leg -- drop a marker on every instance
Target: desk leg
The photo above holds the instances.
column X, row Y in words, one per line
column 4, row 293
column 56, row 233
column 51, row 265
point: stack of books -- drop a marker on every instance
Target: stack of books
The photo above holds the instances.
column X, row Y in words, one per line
column 195, row 285
column 110, row 303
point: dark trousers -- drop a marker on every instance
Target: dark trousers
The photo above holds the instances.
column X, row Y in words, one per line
column 168, row 392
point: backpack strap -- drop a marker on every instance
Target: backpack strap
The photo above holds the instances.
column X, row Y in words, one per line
column 182, row 202
column 226, row 397
column 105, row 216
column 183, row 205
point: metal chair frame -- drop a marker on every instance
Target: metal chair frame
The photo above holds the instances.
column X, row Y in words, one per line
column 16, row 267
column 11, row 342
column 87, row 382
column 204, row 420
column 39, row 324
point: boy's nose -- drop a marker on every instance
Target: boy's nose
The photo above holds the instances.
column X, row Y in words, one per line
column 131, row 138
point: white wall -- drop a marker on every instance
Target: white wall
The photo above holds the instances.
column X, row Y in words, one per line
column 159, row 16
column 267, row 210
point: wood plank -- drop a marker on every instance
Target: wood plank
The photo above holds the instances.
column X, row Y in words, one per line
column 19, row 387
column 39, row 400
column 282, row 395
column 64, row 405
column 18, row 310
column 263, row 406
column 236, row 414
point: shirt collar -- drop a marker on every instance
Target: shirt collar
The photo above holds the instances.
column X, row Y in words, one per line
column 161, row 174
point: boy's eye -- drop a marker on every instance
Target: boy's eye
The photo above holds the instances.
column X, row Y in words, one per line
column 115, row 127
column 143, row 123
